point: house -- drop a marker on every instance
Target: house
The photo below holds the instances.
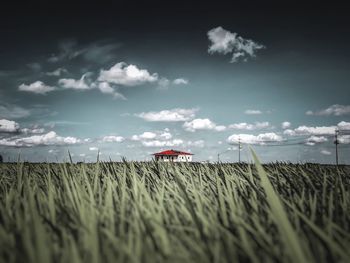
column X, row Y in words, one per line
column 173, row 156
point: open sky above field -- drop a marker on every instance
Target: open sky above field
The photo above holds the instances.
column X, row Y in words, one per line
column 131, row 79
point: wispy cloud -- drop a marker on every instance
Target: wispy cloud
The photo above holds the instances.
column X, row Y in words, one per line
column 252, row 112
column 98, row 52
column 336, row 110
column 50, row 138
column 325, row 152
column 80, row 84
column 249, row 126
column 224, row 42
column 254, row 139
column 157, row 143
column 56, row 73
column 12, row 111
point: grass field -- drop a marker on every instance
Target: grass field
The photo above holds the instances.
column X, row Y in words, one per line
column 158, row 212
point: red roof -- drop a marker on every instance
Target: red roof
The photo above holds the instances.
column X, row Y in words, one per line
column 172, row 152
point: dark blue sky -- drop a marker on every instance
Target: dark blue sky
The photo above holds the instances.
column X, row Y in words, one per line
column 131, row 79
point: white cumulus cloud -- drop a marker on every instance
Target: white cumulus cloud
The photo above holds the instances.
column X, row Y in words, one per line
column 316, row 139
column 8, row 126
column 224, row 42
column 144, row 136
column 285, row 125
column 201, row 124
column 173, row 115
column 343, row 125
column 37, row 87
column 127, row 75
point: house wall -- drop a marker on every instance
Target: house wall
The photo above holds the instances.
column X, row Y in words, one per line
column 184, row 158
column 179, row 158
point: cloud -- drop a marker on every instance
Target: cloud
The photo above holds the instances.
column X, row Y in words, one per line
column 248, row 126
column 157, row 139
column 127, row 75
column 306, row 130
column 113, row 138
column 144, row 136
column 316, row 139
column 166, row 135
column 325, row 152
column 98, row 52
column 34, row 130
column 37, row 87
column 79, row 84
column 198, row 143
column 344, row 125
column 11, row 111
column 93, row 148
column 66, row 51
column 34, row 66
column 344, row 139
column 163, row 83
column 56, row 73
column 224, row 42
column 173, row 115
column 202, row 124
column 336, row 110
column 252, row 112
column 180, row 81
column 106, row 88
column 8, row 126
column 158, row 143
column 255, row 139
column 50, row 138
column 285, row 125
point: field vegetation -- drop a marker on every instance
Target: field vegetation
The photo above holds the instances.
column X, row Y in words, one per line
column 183, row 212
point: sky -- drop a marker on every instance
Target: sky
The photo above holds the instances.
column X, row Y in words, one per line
column 123, row 79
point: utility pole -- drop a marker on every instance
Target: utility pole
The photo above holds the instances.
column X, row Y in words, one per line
column 336, row 142
column 218, row 157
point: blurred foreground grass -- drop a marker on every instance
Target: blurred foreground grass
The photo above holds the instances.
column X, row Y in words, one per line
column 183, row 212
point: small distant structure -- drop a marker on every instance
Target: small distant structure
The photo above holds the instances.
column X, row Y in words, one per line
column 173, row 156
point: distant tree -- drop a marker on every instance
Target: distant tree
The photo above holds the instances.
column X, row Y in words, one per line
column 1, row 158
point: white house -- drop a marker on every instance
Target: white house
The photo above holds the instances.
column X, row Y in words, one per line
column 173, row 156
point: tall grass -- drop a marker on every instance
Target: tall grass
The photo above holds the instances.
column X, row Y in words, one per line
column 184, row 212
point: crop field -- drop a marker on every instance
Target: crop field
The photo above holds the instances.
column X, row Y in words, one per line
column 183, row 212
